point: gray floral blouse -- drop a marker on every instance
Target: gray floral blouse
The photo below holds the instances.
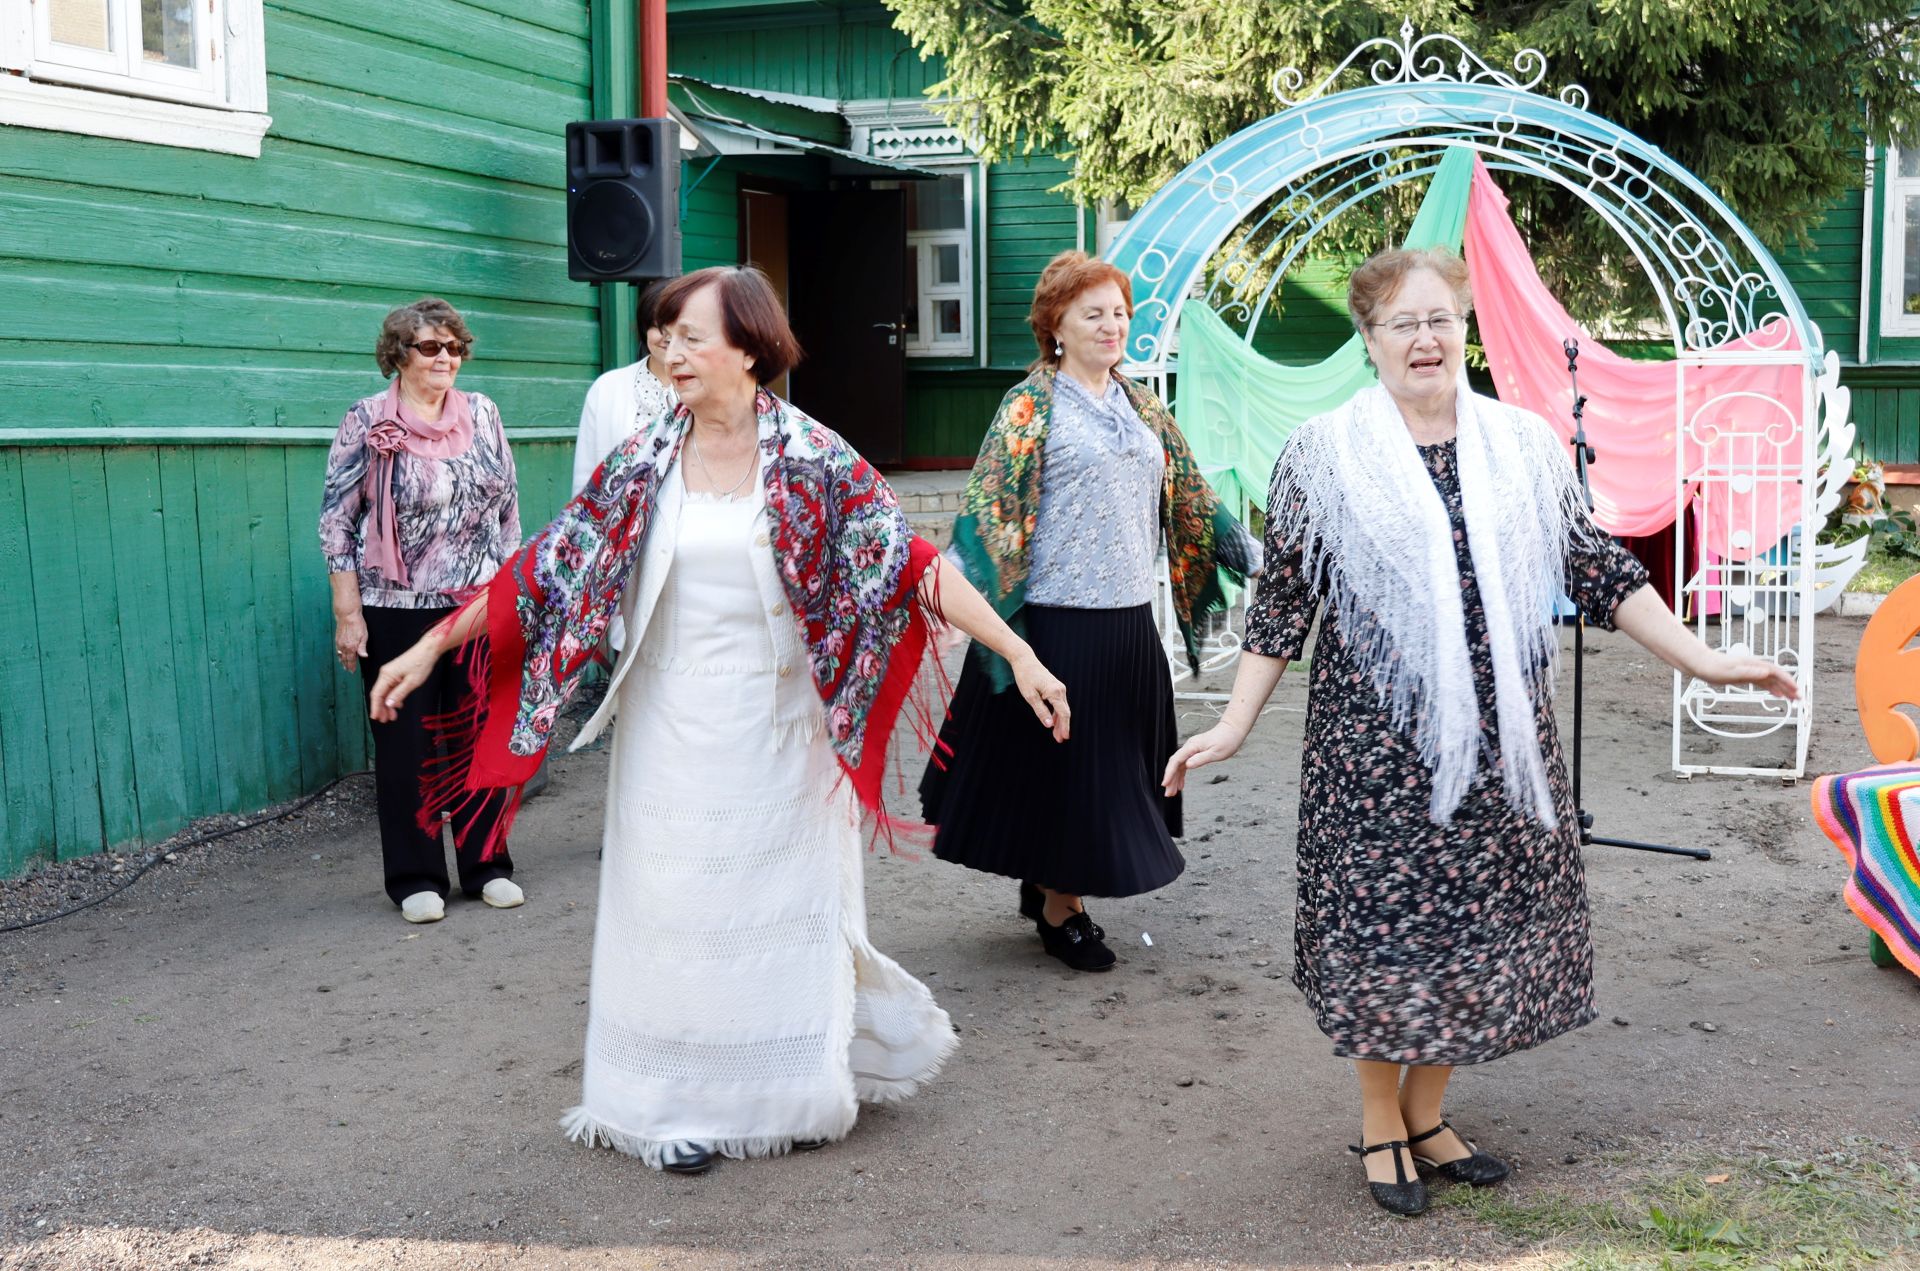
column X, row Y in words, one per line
column 459, row 517
column 1097, row 532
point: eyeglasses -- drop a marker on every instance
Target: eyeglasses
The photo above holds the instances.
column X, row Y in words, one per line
column 1441, row 324
column 432, row 348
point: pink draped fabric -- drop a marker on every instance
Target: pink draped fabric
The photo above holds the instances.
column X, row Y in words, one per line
column 1752, row 414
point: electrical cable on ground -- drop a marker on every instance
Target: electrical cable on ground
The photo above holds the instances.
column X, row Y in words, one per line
column 163, row 851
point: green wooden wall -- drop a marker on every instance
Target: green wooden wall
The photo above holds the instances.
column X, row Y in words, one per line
column 850, row 55
column 183, row 332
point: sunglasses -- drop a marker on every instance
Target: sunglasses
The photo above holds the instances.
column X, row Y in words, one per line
column 432, row 348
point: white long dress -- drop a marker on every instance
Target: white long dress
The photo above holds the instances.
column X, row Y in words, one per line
column 735, row 1000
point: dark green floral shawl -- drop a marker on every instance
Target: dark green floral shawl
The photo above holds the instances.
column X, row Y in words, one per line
column 993, row 534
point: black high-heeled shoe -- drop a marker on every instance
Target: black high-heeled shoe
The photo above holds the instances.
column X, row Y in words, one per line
column 1478, row 1170
column 1404, row 1196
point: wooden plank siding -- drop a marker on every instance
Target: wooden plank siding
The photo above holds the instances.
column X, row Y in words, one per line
column 165, row 629
column 841, row 57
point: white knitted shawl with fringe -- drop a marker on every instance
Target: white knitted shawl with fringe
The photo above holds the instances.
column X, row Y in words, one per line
column 1352, row 490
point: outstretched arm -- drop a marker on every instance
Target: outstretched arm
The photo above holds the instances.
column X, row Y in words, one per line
column 409, row 671
column 946, row 591
column 1253, row 684
column 1646, row 618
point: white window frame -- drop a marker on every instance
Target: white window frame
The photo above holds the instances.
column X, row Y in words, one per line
column 221, row 106
column 1110, row 217
column 1894, row 321
column 925, row 245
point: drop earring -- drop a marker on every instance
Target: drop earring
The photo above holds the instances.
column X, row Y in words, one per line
column 1057, row 349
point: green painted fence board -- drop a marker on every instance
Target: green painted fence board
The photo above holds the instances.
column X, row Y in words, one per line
column 147, row 307
column 27, row 828
column 155, row 231
column 186, row 604
column 569, row 17
column 297, row 175
column 220, row 482
column 98, row 619
column 183, row 388
column 312, row 599
column 358, row 123
column 273, row 630
column 386, row 66
column 139, row 569
column 484, row 36
column 59, row 614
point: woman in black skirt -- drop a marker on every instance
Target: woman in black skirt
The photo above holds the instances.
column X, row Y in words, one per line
column 1070, row 561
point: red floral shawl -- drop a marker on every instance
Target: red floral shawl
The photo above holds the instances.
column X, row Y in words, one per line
column 848, row 561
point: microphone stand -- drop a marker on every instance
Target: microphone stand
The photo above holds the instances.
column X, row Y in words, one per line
column 1583, row 456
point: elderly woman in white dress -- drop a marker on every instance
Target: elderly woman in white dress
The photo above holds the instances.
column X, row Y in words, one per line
column 778, row 607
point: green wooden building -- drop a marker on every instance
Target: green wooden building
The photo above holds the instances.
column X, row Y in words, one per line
column 206, row 209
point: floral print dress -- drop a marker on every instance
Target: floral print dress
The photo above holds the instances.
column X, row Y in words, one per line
column 1418, row 943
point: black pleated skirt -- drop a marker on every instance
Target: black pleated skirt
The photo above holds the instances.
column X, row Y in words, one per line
column 1085, row 816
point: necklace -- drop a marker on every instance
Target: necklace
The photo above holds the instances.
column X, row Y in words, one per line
column 694, row 443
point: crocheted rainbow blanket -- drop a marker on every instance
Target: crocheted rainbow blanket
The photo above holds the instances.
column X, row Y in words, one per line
column 1873, row 817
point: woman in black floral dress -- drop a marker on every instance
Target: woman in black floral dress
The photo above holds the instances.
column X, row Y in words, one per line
column 1442, row 914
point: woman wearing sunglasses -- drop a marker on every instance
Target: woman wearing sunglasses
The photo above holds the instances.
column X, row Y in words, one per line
column 419, row 510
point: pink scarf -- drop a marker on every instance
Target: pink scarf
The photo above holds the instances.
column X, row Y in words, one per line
column 396, row 429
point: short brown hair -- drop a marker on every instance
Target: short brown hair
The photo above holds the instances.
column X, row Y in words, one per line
column 1380, row 275
column 750, row 310
column 1067, row 276
column 397, row 332
column 646, row 309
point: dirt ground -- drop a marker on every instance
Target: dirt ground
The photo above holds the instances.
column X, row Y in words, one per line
column 248, row 1060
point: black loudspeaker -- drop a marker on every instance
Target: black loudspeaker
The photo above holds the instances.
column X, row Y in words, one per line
column 623, row 200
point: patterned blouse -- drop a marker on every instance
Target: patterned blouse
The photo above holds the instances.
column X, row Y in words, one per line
column 1097, row 533
column 459, row 518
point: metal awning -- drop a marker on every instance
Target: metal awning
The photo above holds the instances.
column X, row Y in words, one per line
column 736, row 137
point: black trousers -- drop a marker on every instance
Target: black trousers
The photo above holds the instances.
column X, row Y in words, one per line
column 415, row 860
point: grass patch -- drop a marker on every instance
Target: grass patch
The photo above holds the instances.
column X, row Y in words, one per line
column 1884, row 570
column 1850, row 1208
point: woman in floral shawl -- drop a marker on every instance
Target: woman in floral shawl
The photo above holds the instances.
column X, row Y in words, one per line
column 776, row 605
column 1070, row 561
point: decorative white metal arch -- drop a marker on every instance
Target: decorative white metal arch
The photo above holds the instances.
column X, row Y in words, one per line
column 1284, row 179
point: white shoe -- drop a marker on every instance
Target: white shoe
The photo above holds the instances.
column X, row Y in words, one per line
column 423, row 906
column 503, row 893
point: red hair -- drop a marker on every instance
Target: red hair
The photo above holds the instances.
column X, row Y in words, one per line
column 1066, row 278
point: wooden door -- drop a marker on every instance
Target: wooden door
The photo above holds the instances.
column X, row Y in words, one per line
column 847, row 279
column 763, row 242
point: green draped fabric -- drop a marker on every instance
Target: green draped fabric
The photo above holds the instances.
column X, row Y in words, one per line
column 1238, row 408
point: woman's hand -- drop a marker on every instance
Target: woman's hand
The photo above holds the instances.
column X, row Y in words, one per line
column 1047, row 695
column 400, row 677
column 350, row 638
column 1221, row 741
column 1762, row 673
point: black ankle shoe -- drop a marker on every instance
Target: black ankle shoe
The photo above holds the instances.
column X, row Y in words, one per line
column 1477, row 1170
column 1033, row 904
column 806, row 1145
column 687, row 1158
column 1404, row 1196
column 1076, row 943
